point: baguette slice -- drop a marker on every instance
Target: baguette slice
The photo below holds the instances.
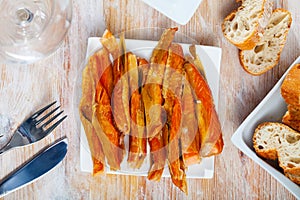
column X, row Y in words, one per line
column 290, row 121
column 292, row 116
column 244, row 27
column 290, row 91
column 274, row 140
column 265, row 55
column 295, row 178
column 290, row 88
column 294, row 111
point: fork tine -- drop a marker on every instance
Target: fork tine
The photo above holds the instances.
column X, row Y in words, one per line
column 36, row 114
column 50, row 120
column 47, row 115
column 51, row 128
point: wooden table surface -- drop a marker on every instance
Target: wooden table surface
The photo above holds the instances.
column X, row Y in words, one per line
column 27, row 88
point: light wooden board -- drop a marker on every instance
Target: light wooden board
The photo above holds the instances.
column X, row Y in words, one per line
column 236, row 176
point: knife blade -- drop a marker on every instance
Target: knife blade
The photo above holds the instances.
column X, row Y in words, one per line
column 39, row 165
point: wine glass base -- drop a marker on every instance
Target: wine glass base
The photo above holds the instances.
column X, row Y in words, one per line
column 34, row 28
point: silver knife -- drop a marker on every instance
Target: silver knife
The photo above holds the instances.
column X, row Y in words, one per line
column 39, row 165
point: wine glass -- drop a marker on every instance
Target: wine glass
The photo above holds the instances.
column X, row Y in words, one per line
column 32, row 29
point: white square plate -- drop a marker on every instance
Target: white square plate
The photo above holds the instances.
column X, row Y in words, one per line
column 211, row 59
column 179, row 11
column 271, row 108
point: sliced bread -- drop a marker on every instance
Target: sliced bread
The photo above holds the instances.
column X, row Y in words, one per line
column 292, row 117
column 272, row 140
column 294, row 111
column 244, row 27
column 266, row 53
column 291, row 121
column 290, row 88
column 295, row 178
column 290, row 91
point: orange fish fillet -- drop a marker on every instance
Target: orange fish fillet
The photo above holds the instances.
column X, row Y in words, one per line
column 101, row 69
column 172, row 92
column 190, row 140
column 152, row 98
column 137, row 137
column 208, row 122
column 120, row 95
column 158, row 155
column 102, row 119
column 152, row 90
column 196, row 61
column 85, row 111
column 109, row 134
column 175, row 162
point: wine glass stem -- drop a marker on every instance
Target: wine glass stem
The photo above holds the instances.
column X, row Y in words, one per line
column 24, row 15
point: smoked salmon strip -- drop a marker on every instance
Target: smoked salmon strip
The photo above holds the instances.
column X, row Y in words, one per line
column 153, row 100
column 86, row 114
column 190, row 136
column 120, row 92
column 208, row 121
column 137, row 138
column 172, row 92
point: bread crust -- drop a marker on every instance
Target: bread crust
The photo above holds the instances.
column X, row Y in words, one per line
column 241, row 53
column 265, row 153
column 274, row 140
column 293, row 177
column 290, row 88
column 290, row 121
column 290, row 91
column 245, row 67
column 294, row 110
column 250, row 41
column 253, row 38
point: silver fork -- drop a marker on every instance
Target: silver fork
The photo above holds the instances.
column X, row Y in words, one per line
column 32, row 129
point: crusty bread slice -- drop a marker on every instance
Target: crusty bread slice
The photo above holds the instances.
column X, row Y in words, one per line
column 293, row 177
column 290, row 91
column 244, row 27
column 290, row 121
column 273, row 140
column 290, row 88
column 265, row 55
column 294, row 111
column 292, row 117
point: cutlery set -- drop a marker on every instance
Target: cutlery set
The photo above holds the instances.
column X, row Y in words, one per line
column 36, row 127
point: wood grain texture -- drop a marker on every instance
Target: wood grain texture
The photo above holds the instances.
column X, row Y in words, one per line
column 26, row 88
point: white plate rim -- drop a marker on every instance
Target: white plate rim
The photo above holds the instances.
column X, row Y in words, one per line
column 238, row 140
column 179, row 11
